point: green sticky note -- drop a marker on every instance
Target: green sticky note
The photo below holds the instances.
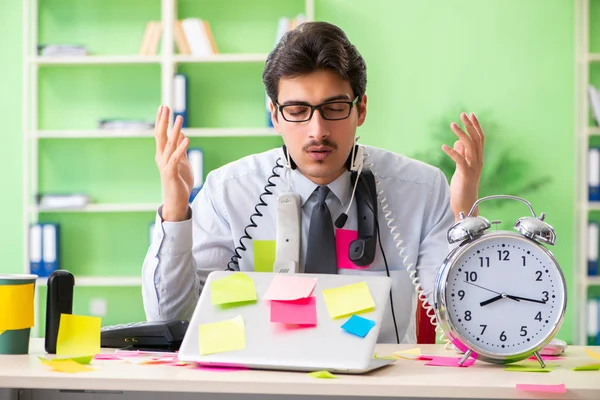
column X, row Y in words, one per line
column 589, row 367
column 234, row 288
column 84, row 360
column 264, row 255
column 322, row 375
column 527, row 368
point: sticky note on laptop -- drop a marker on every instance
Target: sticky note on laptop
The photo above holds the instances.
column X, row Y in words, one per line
column 358, row 326
column 222, row 336
column 289, row 287
column 78, row 335
column 349, row 299
column 234, row 288
column 297, row 312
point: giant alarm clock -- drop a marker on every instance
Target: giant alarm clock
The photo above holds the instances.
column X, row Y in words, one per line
column 500, row 295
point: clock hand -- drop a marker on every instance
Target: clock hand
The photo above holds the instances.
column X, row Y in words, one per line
column 496, row 298
column 517, row 298
column 481, row 287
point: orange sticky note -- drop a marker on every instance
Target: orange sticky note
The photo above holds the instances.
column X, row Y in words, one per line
column 78, row 335
column 345, row 300
column 222, row 336
column 17, row 307
column 542, row 388
column 234, row 288
column 67, row 366
column 289, row 287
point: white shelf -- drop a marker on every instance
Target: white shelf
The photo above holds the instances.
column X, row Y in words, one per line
column 112, row 134
column 225, row 132
column 593, row 281
column 594, row 205
column 96, row 60
column 593, row 57
column 222, row 58
column 594, row 130
column 99, row 281
column 88, row 134
column 100, row 207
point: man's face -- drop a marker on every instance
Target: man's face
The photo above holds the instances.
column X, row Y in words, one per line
column 319, row 147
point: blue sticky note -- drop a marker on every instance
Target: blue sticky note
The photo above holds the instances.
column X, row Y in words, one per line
column 358, row 326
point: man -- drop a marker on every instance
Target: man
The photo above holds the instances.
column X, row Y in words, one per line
column 316, row 80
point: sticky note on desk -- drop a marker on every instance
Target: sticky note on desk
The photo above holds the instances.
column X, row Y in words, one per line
column 542, row 388
column 297, row 312
column 530, row 368
column 234, row 288
column 67, row 365
column 589, row 367
column 289, row 287
column 80, row 360
column 78, row 335
column 358, row 326
column 593, row 354
column 17, row 307
column 410, row 354
column 449, row 362
column 322, row 375
column 222, row 336
column 345, row 300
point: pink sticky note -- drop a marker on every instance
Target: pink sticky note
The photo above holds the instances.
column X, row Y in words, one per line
column 462, row 347
column 547, row 358
column 106, row 357
column 220, row 367
column 343, row 238
column 300, row 312
column 542, row 388
column 289, row 287
column 449, row 362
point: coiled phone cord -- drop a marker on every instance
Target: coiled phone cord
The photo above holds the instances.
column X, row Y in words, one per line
column 233, row 263
column 410, row 267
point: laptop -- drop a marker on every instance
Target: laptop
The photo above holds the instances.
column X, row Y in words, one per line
column 275, row 346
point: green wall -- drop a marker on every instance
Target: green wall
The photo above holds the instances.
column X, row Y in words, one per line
column 510, row 61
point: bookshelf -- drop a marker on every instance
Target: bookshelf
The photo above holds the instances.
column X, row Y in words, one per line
column 587, row 59
column 103, row 243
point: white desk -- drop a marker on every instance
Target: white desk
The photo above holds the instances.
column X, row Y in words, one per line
column 404, row 378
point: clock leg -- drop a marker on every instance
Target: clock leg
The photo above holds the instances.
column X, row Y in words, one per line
column 539, row 358
column 464, row 358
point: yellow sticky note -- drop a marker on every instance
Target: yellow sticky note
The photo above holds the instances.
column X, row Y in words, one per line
column 345, row 300
column 384, row 357
column 78, row 335
column 322, row 375
column 593, row 354
column 409, row 354
column 264, row 255
column 67, row 365
column 80, row 360
column 17, row 307
column 222, row 336
column 235, row 288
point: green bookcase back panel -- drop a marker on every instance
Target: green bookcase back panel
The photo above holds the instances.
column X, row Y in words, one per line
column 123, row 304
column 105, row 27
column 225, row 95
column 77, row 97
column 252, row 28
column 102, row 244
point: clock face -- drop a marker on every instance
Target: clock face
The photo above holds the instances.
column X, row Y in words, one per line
column 505, row 294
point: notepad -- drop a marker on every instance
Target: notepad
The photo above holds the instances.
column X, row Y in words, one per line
column 222, row 336
column 17, row 307
column 78, row 335
column 235, row 288
column 349, row 299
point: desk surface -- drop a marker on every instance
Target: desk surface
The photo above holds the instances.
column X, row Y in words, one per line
column 410, row 378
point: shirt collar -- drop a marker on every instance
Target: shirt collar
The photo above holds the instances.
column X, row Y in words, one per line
column 340, row 187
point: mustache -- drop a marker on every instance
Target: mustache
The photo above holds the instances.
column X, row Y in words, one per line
column 324, row 143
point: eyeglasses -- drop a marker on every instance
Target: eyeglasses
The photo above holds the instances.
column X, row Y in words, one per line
column 331, row 111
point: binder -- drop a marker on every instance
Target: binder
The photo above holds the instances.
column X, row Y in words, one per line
column 592, row 321
column 36, row 265
column 180, row 98
column 196, row 158
column 49, row 248
column 592, row 259
column 598, row 321
column 594, row 174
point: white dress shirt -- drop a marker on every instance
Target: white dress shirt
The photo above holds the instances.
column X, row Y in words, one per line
column 183, row 253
